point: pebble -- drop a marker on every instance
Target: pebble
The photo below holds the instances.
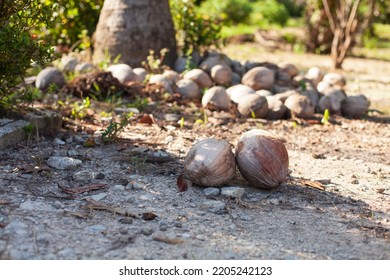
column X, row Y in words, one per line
column 63, row 163
column 99, row 196
column 67, row 254
column 100, row 176
column 59, row 142
column 30, row 205
column 211, row 192
column 147, row 231
column 17, row 228
column 171, row 117
column 273, row 201
column 213, row 206
column 118, row 188
column 233, row 192
column 97, row 228
column 73, row 153
column 136, row 186
column 83, row 175
column 245, row 217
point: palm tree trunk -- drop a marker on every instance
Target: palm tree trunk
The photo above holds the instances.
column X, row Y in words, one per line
column 130, row 28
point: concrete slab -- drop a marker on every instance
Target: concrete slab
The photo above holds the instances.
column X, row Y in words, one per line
column 12, row 132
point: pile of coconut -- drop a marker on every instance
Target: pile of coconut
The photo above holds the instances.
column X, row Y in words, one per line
column 256, row 89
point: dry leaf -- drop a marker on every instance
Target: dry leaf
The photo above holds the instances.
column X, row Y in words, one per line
column 168, row 240
column 313, row 184
column 147, row 119
column 31, row 168
column 183, row 184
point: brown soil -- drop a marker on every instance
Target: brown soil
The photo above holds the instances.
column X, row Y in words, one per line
column 335, row 203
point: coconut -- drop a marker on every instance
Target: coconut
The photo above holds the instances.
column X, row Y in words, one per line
column 259, row 78
column 216, row 98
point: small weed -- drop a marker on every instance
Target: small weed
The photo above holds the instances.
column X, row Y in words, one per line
column 181, row 122
column 113, row 130
column 154, row 64
column 79, row 111
column 139, row 103
column 325, row 118
column 139, row 163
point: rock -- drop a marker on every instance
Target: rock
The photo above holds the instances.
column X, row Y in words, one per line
column 335, row 79
column 211, row 192
column 259, row 78
column 216, row 98
column 355, row 106
column 253, row 105
column 237, row 92
column 200, row 77
column 118, row 188
column 59, row 141
column 221, row 74
column 171, row 117
column 332, row 100
column 17, row 228
column 63, row 163
column 85, row 67
column 99, row 196
column 83, row 175
column 300, row 106
column 97, row 228
column 69, row 63
column 141, row 73
column 50, row 76
column 47, row 122
column 73, row 153
column 233, row 192
column 12, row 132
column 123, row 72
column 180, row 64
column 213, row 206
column 30, row 205
column 159, row 79
column 188, row 89
column 276, row 108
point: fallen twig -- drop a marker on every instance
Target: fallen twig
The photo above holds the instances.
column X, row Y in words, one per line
column 94, row 205
column 82, row 189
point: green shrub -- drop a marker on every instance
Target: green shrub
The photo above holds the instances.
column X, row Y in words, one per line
column 269, row 11
column 194, row 32
column 18, row 47
column 73, row 21
column 230, row 11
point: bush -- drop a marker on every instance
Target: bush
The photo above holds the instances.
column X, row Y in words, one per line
column 18, row 47
column 269, row 11
column 73, row 21
column 194, row 32
column 230, row 11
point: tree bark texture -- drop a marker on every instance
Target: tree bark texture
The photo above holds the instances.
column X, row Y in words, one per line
column 130, row 28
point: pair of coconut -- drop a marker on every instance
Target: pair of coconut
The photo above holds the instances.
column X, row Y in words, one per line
column 261, row 157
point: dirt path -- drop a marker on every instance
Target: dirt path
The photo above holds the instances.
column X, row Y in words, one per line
column 121, row 201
